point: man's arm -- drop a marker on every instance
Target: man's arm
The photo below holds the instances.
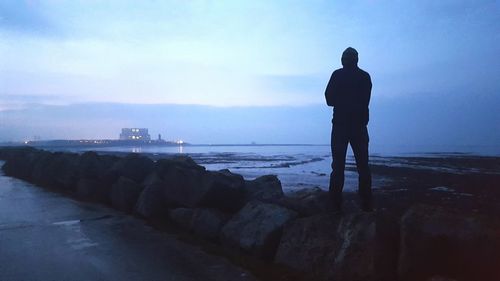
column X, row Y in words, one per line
column 368, row 89
column 367, row 96
column 330, row 92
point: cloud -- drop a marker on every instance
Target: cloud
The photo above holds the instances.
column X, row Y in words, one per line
column 26, row 17
column 420, row 120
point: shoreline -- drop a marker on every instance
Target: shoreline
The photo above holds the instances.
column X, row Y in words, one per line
column 411, row 196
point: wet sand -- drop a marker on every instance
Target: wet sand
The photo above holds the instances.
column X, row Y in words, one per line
column 470, row 183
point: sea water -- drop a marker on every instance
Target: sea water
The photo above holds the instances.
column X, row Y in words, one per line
column 297, row 166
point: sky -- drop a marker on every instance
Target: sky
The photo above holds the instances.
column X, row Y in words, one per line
column 434, row 67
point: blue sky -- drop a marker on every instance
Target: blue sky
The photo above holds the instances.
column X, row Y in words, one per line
column 243, row 53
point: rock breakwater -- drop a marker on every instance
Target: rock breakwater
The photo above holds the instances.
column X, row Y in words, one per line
column 256, row 218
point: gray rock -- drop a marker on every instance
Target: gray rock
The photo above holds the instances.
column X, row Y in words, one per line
column 133, row 166
column 204, row 222
column 19, row 162
column 94, row 166
column 264, row 188
column 124, row 194
column 306, row 201
column 222, row 190
column 56, row 170
column 182, row 217
column 162, row 166
column 438, row 241
column 256, row 229
column 151, row 202
column 208, row 223
column 93, row 190
column 198, row 188
column 183, row 187
column 357, row 246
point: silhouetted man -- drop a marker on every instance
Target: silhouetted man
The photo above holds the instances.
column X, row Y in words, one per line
column 349, row 91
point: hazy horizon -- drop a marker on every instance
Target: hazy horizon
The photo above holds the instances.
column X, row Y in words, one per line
column 247, row 71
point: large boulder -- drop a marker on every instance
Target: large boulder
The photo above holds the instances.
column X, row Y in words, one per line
column 204, row 222
column 133, row 166
column 162, row 166
column 182, row 217
column 20, row 161
column 208, row 223
column 56, row 170
column 198, row 188
column 222, row 190
column 438, row 241
column 151, row 202
column 94, row 166
column 306, row 201
column 38, row 171
column 93, row 190
column 264, row 188
column 256, row 229
column 358, row 246
column 124, row 194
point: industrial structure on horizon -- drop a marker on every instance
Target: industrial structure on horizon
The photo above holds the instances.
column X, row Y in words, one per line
column 128, row 137
column 135, row 134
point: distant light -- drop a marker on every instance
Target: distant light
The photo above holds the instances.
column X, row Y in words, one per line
column 180, row 142
column 26, row 142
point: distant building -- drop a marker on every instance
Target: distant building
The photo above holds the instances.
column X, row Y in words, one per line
column 135, row 134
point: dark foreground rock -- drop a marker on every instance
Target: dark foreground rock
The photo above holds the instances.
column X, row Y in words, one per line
column 295, row 230
column 438, row 241
column 256, row 229
column 194, row 188
column 151, row 201
column 124, row 194
column 264, row 188
column 307, row 201
column 133, row 166
column 93, row 190
column 204, row 222
column 359, row 246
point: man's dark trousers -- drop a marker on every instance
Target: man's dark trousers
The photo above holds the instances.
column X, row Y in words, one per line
column 357, row 136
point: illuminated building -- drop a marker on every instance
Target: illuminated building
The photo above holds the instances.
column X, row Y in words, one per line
column 135, row 134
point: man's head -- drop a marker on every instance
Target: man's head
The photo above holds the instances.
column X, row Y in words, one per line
column 350, row 57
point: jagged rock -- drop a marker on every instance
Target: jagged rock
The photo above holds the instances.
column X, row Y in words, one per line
column 256, row 229
column 153, row 177
column 151, row 202
column 208, row 223
column 204, row 222
column 94, row 166
column 93, row 190
column 198, row 188
column 264, row 188
column 162, row 166
column 222, row 190
column 438, row 241
column 357, row 246
column 56, row 170
column 20, row 161
column 306, row 201
column 182, row 217
column 183, row 187
column 124, row 194
column 133, row 166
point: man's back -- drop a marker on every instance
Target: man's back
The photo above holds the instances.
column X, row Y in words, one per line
column 349, row 93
